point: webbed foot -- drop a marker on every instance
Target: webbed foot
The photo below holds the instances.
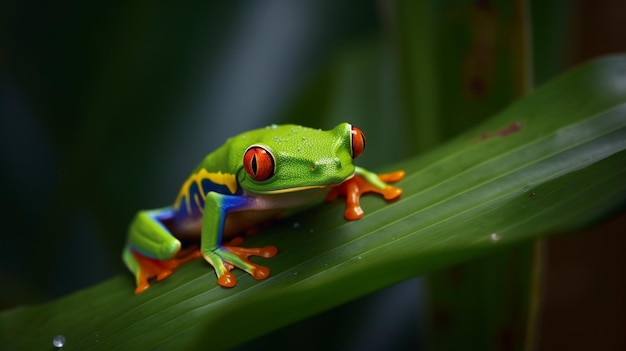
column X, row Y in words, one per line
column 152, row 268
column 365, row 182
column 226, row 257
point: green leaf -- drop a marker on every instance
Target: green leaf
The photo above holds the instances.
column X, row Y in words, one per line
column 552, row 162
column 462, row 62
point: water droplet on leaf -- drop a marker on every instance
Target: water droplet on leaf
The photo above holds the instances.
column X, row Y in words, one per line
column 58, row 341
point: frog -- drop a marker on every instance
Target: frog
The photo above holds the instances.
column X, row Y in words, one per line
column 254, row 178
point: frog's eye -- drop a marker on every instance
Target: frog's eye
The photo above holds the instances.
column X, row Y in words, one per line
column 259, row 163
column 358, row 142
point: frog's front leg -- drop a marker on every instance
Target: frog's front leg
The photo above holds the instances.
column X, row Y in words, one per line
column 224, row 258
column 363, row 182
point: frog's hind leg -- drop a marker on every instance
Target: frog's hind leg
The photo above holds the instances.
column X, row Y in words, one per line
column 137, row 268
column 152, row 251
column 145, row 268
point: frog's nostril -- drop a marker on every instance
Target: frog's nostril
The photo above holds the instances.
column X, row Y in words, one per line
column 337, row 162
column 327, row 164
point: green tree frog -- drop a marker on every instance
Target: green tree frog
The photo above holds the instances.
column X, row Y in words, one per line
column 253, row 178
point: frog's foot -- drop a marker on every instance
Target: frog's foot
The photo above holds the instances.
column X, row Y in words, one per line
column 360, row 184
column 225, row 258
column 152, row 268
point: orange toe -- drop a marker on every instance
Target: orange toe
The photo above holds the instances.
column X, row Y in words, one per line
column 160, row 269
column 358, row 185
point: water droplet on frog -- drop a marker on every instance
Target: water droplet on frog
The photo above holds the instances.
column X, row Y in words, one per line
column 295, row 273
column 274, row 126
column 359, row 257
column 494, row 237
column 58, row 341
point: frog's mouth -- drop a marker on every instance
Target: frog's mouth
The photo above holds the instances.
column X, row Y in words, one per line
column 302, row 188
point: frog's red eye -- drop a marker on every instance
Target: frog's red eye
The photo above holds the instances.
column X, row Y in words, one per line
column 358, row 142
column 259, row 163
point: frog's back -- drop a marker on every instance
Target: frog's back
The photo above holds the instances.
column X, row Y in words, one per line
column 213, row 174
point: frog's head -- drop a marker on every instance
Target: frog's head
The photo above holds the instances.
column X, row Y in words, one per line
column 288, row 158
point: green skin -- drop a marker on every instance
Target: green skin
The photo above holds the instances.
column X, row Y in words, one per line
column 307, row 163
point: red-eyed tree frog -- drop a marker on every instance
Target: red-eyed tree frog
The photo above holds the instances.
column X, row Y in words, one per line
column 253, row 178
